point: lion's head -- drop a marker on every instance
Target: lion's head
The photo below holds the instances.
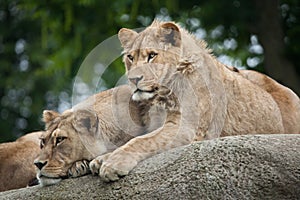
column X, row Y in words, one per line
column 69, row 137
column 157, row 56
column 150, row 58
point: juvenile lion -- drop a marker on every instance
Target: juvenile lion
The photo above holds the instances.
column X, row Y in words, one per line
column 16, row 166
column 92, row 128
column 168, row 67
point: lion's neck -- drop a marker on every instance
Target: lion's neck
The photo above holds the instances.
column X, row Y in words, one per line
column 198, row 90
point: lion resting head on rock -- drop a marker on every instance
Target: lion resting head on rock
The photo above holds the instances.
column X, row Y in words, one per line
column 61, row 145
column 92, row 128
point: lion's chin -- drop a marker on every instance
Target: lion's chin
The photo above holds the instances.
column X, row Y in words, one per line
column 140, row 95
column 45, row 181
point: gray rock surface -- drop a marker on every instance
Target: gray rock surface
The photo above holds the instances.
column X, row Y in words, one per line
column 241, row 167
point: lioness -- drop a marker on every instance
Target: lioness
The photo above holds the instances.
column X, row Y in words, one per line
column 166, row 66
column 92, row 128
column 16, row 161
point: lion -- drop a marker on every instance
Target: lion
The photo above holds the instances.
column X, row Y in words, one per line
column 94, row 127
column 16, row 168
column 168, row 67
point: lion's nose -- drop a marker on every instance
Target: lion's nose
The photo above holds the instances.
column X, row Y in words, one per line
column 40, row 164
column 135, row 80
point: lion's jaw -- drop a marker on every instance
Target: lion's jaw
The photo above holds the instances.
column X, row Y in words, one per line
column 47, row 176
column 143, row 90
column 45, row 180
column 142, row 95
column 143, row 76
column 150, row 89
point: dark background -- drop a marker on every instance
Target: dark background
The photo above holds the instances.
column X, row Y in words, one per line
column 43, row 43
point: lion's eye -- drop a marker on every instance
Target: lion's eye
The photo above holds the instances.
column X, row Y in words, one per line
column 59, row 140
column 42, row 143
column 130, row 57
column 151, row 56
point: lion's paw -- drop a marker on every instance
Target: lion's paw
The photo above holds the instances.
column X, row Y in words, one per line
column 111, row 167
column 79, row 168
column 95, row 164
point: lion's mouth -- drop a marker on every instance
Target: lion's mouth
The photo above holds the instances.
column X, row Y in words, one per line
column 47, row 180
column 147, row 91
column 139, row 95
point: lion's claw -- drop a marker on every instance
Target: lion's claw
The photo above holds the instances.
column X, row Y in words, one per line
column 112, row 166
column 79, row 168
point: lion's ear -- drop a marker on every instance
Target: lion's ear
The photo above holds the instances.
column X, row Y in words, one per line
column 85, row 123
column 85, row 120
column 170, row 33
column 126, row 37
column 49, row 115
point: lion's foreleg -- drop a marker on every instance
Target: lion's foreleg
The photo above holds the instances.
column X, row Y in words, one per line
column 121, row 161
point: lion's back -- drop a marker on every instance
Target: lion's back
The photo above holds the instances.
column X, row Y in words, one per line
column 287, row 101
column 16, row 167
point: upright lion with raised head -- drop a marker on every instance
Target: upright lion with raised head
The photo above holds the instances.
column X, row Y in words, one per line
column 168, row 67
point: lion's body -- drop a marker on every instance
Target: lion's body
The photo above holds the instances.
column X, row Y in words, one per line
column 167, row 67
column 287, row 101
column 16, row 167
column 250, row 109
column 96, row 126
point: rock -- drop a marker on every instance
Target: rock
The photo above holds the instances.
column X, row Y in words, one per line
column 240, row 167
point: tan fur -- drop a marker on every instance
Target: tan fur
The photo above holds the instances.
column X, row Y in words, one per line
column 16, row 161
column 168, row 67
column 287, row 101
column 92, row 128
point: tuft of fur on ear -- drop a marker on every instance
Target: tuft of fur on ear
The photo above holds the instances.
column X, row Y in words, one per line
column 126, row 37
column 170, row 33
column 49, row 115
column 85, row 120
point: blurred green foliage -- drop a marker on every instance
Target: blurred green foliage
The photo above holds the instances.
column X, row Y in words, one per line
column 43, row 43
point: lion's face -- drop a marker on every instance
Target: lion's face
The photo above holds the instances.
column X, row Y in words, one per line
column 151, row 58
column 63, row 143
